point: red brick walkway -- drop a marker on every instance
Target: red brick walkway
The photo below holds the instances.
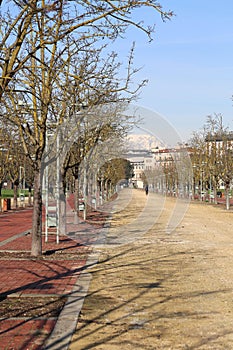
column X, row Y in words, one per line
column 25, row 276
column 12, row 223
column 19, row 334
column 38, row 276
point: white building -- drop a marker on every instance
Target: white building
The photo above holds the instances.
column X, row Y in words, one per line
column 141, row 160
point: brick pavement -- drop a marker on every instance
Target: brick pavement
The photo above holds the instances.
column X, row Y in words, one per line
column 54, row 274
column 14, row 222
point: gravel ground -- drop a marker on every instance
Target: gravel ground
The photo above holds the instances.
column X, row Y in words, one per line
column 162, row 291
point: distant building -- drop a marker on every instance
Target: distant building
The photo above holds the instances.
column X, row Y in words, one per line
column 141, row 160
column 219, row 150
column 146, row 164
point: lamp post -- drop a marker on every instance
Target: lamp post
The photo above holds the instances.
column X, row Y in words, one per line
column 58, row 189
column 52, row 207
column 101, row 188
column 85, row 189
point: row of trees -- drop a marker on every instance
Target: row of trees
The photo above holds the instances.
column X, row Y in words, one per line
column 202, row 169
column 58, row 77
column 172, row 173
column 212, row 158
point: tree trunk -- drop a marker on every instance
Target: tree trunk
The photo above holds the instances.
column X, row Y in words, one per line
column 227, row 197
column 36, row 248
column 215, row 195
column 30, row 196
column 62, row 216
column 15, row 195
column 76, row 185
column 76, row 200
column 62, row 207
column 214, row 184
column 193, row 189
column 0, row 196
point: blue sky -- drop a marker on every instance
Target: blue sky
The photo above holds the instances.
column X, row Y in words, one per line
column 189, row 64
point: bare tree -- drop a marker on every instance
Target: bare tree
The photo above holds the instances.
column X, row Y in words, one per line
column 86, row 19
column 212, row 156
column 40, row 45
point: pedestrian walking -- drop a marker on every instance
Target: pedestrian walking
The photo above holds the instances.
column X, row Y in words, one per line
column 146, row 189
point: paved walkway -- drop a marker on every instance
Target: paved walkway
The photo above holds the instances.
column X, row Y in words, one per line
column 42, row 282
column 63, row 271
column 164, row 290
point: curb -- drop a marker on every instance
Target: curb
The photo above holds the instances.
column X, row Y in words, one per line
column 61, row 336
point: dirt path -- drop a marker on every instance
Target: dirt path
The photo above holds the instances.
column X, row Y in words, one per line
column 163, row 291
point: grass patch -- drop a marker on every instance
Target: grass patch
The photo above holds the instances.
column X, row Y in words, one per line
column 8, row 193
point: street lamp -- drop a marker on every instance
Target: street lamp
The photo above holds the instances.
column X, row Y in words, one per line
column 21, row 177
column 52, row 177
